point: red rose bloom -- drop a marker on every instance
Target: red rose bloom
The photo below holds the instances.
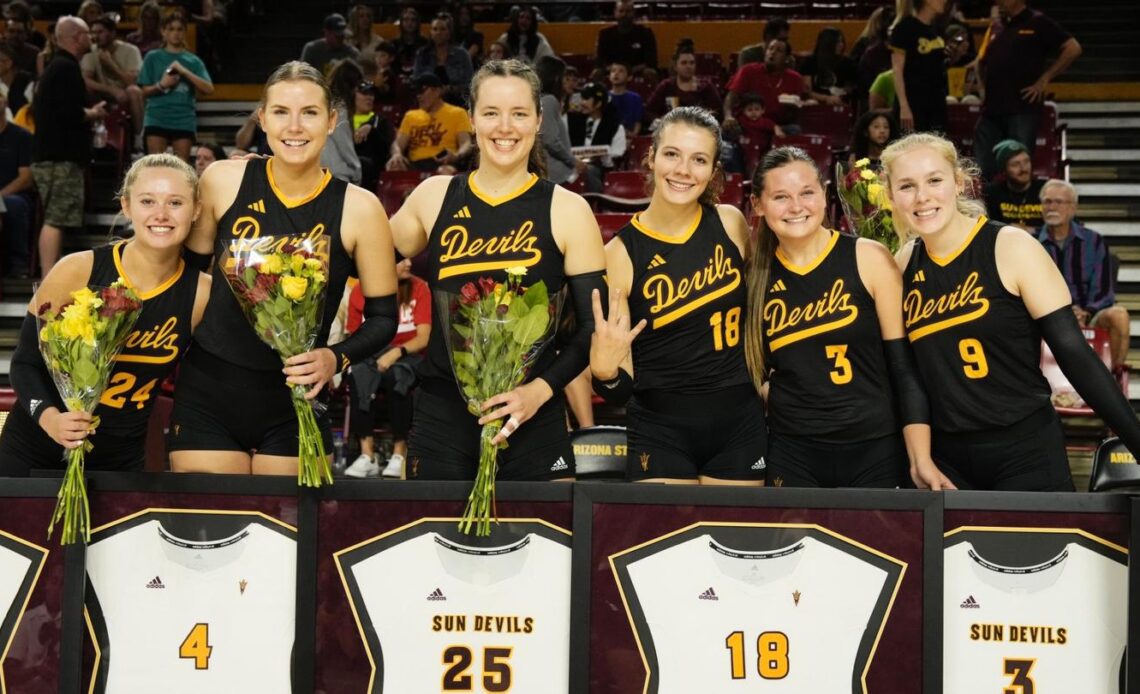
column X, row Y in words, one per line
column 487, row 286
column 468, row 294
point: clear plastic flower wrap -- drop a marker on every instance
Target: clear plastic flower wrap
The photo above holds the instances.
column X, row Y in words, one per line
column 79, row 341
column 496, row 331
column 865, row 203
column 280, row 285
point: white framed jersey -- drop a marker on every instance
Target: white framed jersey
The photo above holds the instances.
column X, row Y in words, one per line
column 177, row 615
column 438, row 614
column 20, row 566
column 714, row 612
column 1054, row 626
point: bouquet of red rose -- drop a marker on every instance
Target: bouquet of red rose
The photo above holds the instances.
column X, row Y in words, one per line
column 496, row 331
column 280, row 286
column 865, row 203
column 79, row 342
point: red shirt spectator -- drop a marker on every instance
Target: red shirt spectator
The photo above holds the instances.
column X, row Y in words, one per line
column 417, row 311
column 769, row 80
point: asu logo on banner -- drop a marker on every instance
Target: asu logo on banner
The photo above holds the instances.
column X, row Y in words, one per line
column 788, row 324
column 924, row 316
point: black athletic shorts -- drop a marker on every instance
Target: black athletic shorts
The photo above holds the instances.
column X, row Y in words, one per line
column 1026, row 456
column 169, row 133
column 25, row 446
column 685, row 436
column 444, row 441
column 802, row 461
column 219, row 406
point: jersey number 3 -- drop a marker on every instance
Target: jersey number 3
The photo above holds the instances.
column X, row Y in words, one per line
column 196, row 646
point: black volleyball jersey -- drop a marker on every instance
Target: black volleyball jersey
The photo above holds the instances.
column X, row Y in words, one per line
column 476, row 236
column 261, row 209
column 822, row 340
column 691, row 290
column 156, row 342
column 977, row 347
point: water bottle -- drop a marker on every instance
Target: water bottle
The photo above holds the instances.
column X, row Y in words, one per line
column 99, row 135
column 338, row 453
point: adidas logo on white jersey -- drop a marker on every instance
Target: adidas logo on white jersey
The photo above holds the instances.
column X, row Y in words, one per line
column 155, row 582
column 559, row 465
column 436, row 595
column 759, row 464
column 970, row 604
column 709, row 594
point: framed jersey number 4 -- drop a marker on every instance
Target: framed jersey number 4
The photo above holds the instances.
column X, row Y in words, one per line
column 196, row 646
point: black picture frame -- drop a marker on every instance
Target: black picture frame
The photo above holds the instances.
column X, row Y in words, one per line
column 165, row 490
column 41, row 493
column 1089, row 512
column 590, row 496
column 391, row 505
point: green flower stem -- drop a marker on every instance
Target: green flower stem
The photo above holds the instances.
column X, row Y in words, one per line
column 312, row 461
column 71, row 505
column 481, row 503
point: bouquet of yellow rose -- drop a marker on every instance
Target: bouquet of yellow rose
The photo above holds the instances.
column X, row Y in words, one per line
column 280, row 286
column 865, row 203
column 79, row 342
column 496, row 332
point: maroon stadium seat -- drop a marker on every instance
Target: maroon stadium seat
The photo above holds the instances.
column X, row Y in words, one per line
column 395, row 186
column 611, row 222
column 635, row 153
column 825, row 119
column 624, row 184
column 818, row 146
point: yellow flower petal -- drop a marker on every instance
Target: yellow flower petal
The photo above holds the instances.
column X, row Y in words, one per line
column 867, row 175
column 862, row 163
column 294, row 287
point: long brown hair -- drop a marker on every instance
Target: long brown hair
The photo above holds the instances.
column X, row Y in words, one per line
column 760, row 268
column 536, row 160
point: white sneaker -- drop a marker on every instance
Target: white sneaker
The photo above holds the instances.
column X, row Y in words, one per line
column 395, row 467
column 364, row 466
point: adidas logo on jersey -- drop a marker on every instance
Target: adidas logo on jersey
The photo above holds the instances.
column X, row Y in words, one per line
column 462, row 214
column 155, row 582
column 920, row 276
column 779, row 286
column 970, row 604
column 258, row 206
column 436, row 595
column 656, row 262
column 559, row 465
column 35, row 405
column 759, row 464
column 709, row 594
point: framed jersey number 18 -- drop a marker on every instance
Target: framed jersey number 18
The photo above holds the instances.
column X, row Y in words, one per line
column 771, row 655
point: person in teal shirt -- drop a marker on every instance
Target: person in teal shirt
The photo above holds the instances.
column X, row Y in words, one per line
column 171, row 79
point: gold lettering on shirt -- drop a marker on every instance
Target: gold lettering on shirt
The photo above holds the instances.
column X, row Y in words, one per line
column 160, row 338
column 247, row 236
column 831, row 311
column 930, row 45
column 519, row 244
column 664, row 293
column 962, row 305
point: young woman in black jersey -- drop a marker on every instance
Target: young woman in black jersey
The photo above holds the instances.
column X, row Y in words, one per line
column 477, row 225
column 232, row 410
column 159, row 196
column 677, row 273
column 978, row 298
column 825, row 343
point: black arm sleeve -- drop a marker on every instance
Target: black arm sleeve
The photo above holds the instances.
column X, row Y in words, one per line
column 914, row 408
column 1089, row 376
column 377, row 330
column 30, row 379
column 198, row 262
column 575, row 354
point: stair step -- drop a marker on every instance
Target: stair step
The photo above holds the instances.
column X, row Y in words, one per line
column 1084, row 173
column 1106, row 123
column 1098, row 155
column 1069, row 108
column 1111, row 139
column 1121, row 190
column 1125, row 229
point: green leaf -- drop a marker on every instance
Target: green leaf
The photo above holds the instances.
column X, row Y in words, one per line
column 531, row 327
column 537, row 295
